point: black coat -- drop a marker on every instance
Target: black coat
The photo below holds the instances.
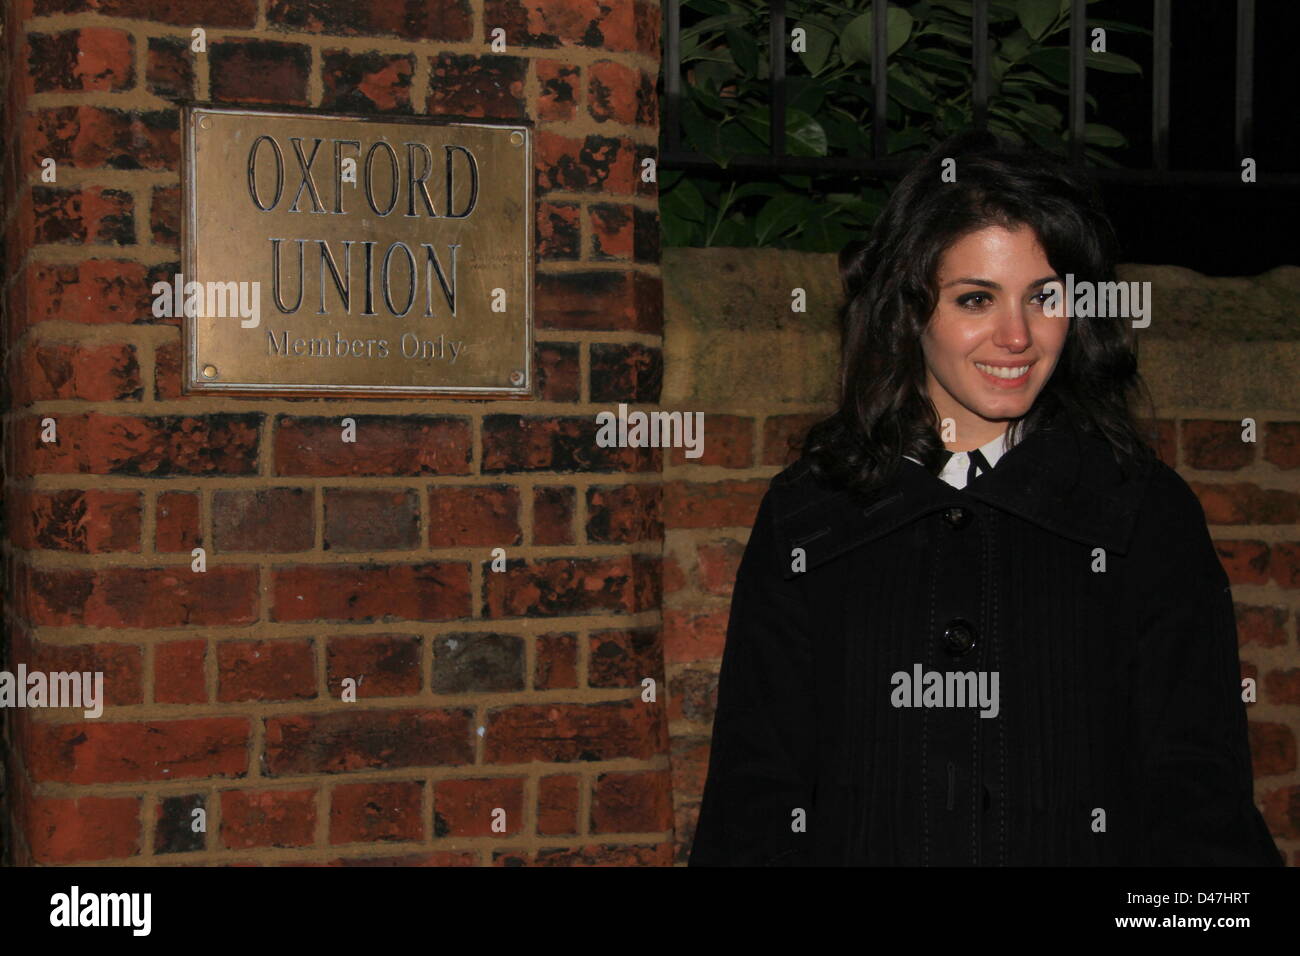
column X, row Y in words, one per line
column 1120, row 733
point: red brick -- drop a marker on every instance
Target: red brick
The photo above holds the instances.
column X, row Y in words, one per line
column 121, row 664
column 557, row 662
column 551, row 587
column 553, row 511
column 181, row 13
column 719, row 504
column 142, row 597
column 1215, row 445
column 628, row 373
column 593, row 164
column 85, row 372
column 1244, row 503
column 169, row 71
column 425, row 20
column 178, row 672
column 176, row 522
column 167, row 371
column 83, row 829
column 783, row 436
column 465, row 808
column 91, row 292
column 165, row 216
column 1282, row 444
column 557, row 81
column 1272, row 748
column 604, row 301
column 486, row 515
column 613, row 231
column 624, row 658
column 92, row 58
column 557, row 805
column 83, row 522
column 514, row 443
column 559, row 232
column 80, row 215
column 264, row 818
column 265, row 670
column 632, row 802
column 367, row 82
column 718, row 563
column 1246, row 562
column 477, row 87
column 376, row 812
column 440, row 858
column 94, row 137
column 434, row 591
column 98, row 752
column 694, row 635
column 245, row 70
column 558, row 371
column 1283, row 687
column 364, row 519
column 560, row 733
column 614, row 93
column 624, row 514
column 154, row 446
column 1281, row 810
column 581, row 23
column 386, row 445
column 351, row 739
column 727, row 441
column 1265, row 626
column 384, row 665
column 264, row 520
column 1284, row 563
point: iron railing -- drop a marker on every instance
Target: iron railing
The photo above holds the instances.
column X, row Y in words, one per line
column 673, row 156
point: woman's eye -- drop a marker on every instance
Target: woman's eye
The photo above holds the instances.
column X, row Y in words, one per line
column 1041, row 298
column 969, row 300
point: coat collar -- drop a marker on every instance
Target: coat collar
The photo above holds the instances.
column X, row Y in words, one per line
column 1058, row 478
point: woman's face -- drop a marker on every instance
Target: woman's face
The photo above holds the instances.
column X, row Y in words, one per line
column 989, row 348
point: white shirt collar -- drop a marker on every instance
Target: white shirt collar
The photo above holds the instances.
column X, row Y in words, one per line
column 954, row 472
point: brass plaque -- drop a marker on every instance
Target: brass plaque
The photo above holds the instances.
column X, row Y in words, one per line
column 348, row 255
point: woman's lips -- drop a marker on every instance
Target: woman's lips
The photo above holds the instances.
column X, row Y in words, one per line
column 1000, row 375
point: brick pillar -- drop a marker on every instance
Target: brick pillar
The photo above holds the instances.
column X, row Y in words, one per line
column 518, row 690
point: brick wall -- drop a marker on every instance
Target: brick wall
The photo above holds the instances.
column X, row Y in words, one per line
column 1218, row 351
column 518, row 690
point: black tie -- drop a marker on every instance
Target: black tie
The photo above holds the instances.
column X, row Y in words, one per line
column 978, row 465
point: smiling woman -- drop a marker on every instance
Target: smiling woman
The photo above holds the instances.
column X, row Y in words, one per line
column 981, row 513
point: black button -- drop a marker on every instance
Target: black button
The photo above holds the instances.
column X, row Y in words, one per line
column 957, row 517
column 958, row 637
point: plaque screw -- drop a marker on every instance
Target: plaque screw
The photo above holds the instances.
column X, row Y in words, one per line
column 516, row 377
column 205, row 123
column 516, row 138
column 209, row 371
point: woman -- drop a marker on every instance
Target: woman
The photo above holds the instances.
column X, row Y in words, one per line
column 978, row 622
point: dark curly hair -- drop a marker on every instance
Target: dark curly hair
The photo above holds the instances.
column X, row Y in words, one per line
column 891, row 289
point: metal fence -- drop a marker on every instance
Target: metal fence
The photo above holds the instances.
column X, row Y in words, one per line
column 675, row 157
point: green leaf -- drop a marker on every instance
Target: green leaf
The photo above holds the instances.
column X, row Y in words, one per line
column 820, row 42
column 1112, row 63
column 1098, row 134
column 1037, row 15
column 744, row 50
column 804, row 136
column 779, row 214
column 856, row 40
